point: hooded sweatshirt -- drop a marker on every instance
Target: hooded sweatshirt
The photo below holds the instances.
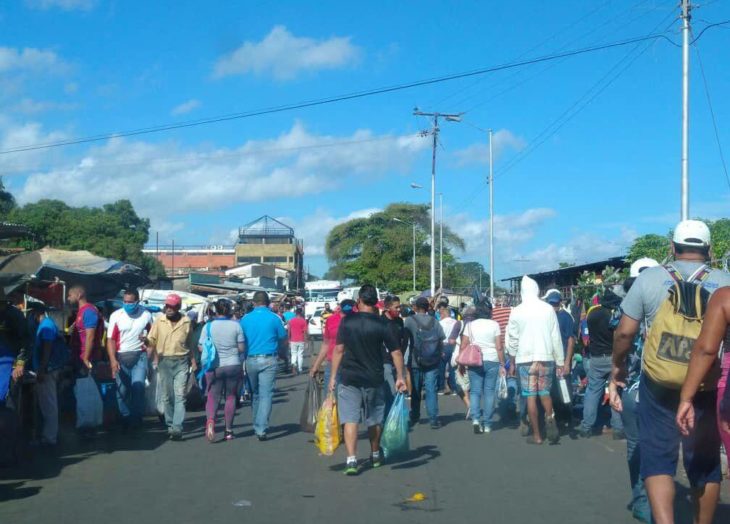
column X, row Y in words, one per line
column 533, row 333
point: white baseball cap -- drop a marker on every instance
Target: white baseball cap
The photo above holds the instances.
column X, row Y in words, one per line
column 640, row 265
column 692, row 233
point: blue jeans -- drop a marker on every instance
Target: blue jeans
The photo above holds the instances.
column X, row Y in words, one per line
column 173, row 377
column 483, row 383
column 443, row 378
column 425, row 379
column 262, row 374
column 599, row 372
column 130, row 389
column 639, row 500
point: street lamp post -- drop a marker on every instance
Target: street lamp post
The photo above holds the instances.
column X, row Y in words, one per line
column 413, row 224
column 441, row 242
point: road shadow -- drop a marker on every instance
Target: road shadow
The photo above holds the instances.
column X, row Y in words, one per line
column 414, row 458
column 283, row 431
column 683, row 507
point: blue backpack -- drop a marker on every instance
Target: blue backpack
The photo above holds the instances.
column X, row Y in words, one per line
column 209, row 357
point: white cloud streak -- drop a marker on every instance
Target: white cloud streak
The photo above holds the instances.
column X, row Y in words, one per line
column 30, row 59
column 185, row 107
column 65, row 5
column 478, row 154
column 283, row 56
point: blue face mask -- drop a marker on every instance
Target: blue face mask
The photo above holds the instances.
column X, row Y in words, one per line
column 130, row 309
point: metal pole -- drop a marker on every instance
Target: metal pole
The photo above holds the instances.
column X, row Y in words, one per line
column 441, row 242
column 172, row 269
column 433, row 204
column 491, row 219
column 414, row 257
column 686, row 7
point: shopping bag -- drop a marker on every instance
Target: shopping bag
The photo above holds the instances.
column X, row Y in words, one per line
column 327, row 431
column 153, row 394
column 564, row 393
column 89, row 406
column 502, row 391
column 395, row 432
column 310, row 409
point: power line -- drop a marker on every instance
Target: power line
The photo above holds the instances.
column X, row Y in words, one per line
column 335, row 99
column 712, row 114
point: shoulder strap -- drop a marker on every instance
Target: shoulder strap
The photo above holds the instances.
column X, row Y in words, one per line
column 676, row 275
column 701, row 274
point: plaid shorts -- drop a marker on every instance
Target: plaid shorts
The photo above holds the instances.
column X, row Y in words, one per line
column 536, row 378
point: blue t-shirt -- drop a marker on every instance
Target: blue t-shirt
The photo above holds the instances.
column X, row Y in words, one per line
column 262, row 330
column 289, row 315
column 567, row 328
column 48, row 332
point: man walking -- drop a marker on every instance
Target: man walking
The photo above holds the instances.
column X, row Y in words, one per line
column 298, row 338
column 566, row 325
column 426, row 340
column 649, row 300
column 600, row 346
column 263, row 333
column 533, row 338
column 447, row 372
column 358, row 358
column 170, row 345
column 126, row 335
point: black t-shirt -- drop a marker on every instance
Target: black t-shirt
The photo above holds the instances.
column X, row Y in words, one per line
column 601, row 336
column 364, row 335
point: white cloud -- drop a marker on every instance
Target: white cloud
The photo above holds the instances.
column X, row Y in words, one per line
column 66, row 5
column 154, row 176
column 14, row 135
column 283, row 55
column 29, row 106
column 30, row 59
column 314, row 229
column 478, row 154
column 185, row 107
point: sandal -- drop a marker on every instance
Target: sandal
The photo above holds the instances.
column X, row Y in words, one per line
column 210, row 430
column 229, row 434
column 533, row 442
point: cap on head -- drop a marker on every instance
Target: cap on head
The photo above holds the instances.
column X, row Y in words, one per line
column 692, row 233
column 173, row 300
column 553, row 297
column 640, row 265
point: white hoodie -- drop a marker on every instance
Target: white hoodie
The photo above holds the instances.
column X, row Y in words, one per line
column 532, row 332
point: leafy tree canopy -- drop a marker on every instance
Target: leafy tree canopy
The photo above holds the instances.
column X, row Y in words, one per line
column 658, row 247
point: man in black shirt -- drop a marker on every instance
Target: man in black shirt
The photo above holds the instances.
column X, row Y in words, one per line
column 358, row 357
column 600, row 347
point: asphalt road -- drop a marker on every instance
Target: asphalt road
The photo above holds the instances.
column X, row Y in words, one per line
column 494, row 478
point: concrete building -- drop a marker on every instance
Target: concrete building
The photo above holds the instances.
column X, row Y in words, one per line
column 268, row 241
column 181, row 260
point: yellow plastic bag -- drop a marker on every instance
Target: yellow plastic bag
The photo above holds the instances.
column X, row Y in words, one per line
column 327, row 432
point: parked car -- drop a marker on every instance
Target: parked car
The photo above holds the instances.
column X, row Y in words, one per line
column 314, row 326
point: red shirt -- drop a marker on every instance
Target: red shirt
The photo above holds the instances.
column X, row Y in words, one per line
column 330, row 333
column 297, row 329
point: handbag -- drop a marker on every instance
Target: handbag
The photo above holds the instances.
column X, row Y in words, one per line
column 471, row 355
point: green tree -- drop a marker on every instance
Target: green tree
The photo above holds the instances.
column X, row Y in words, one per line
column 7, row 201
column 379, row 249
column 652, row 246
column 113, row 231
column 720, row 232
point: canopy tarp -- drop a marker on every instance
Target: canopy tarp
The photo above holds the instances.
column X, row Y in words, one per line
column 102, row 277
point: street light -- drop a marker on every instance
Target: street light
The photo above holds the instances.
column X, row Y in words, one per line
column 414, row 247
column 441, row 242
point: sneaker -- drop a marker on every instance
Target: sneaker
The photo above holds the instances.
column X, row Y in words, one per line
column 229, row 434
column 619, row 435
column 262, row 437
column 478, row 429
column 441, row 393
column 351, row 468
column 551, row 430
column 436, row 424
column 210, row 430
column 376, row 459
column 176, row 436
column 585, row 433
column 486, row 429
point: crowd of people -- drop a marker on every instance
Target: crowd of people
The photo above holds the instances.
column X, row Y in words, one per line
column 653, row 343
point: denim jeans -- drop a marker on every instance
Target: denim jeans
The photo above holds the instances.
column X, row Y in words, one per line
column 639, row 499
column 483, row 382
column 425, row 379
column 599, row 372
column 173, row 377
column 130, row 389
column 262, row 374
column 443, row 378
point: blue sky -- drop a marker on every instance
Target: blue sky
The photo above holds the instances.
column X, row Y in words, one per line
column 567, row 189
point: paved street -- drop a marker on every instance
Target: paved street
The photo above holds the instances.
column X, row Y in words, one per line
column 493, row 478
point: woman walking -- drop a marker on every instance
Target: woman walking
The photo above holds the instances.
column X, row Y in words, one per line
column 225, row 374
column 484, row 332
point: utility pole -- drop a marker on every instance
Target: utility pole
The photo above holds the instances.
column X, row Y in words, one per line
column 441, row 242
column 172, row 269
column 414, row 257
column 491, row 220
column 449, row 117
column 686, row 16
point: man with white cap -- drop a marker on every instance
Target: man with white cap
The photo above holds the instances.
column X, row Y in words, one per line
column 169, row 343
column 660, row 437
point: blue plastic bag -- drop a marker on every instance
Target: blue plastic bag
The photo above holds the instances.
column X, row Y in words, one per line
column 209, row 356
column 395, row 432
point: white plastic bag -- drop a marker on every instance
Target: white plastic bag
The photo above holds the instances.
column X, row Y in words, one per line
column 502, row 391
column 564, row 393
column 153, row 394
column 89, row 406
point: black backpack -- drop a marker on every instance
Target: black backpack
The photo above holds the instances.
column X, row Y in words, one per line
column 428, row 344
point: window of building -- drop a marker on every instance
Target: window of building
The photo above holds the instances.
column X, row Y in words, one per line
column 248, row 260
column 274, row 260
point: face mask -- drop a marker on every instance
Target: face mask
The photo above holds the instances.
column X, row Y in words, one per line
column 130, row 309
